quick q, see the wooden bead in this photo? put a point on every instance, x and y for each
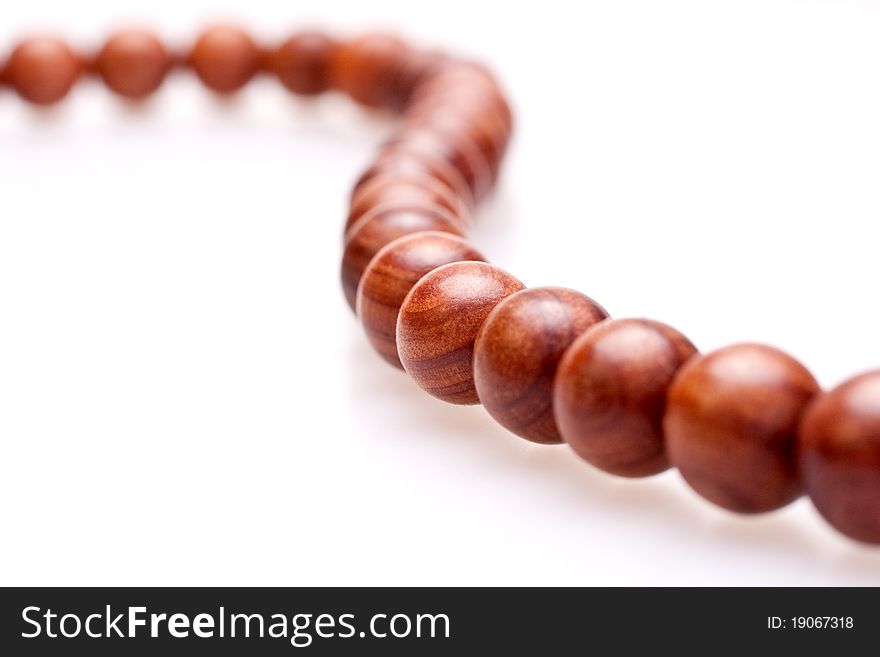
(457, 149)
(366, 68)
(410, 75)
(43, 70)
(464, 84)
(378, 228)
(610, 393)
(403, 164)
(839, 454)
(398, 190)
(486, 132)
(439, 321)
(731, 420)
(133, 63)
(392, 273)
(518, 350)
(464, 99)
(225, 58)
(302, 63)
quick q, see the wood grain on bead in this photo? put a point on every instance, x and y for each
(43, 70)
(839, 456)
(225, 58)
(731, 421)
(610, 394)
(518, 350)
(366, 68)
(302, 62)
(400, 190)
(390, 276)
(439, 321)
(133, 63)
(378, 228)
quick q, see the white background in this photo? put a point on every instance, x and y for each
(186, 399)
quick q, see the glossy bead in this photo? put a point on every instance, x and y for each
(839, 454)
(366, 68)
(610, 394)
(378, 228)
(392, 273)
(439, 321)
(731, 421)
(133, 63)
(518, 350)
(302, 62)
(42, 70)
(399, 190)
(225, 58)
(403, 164)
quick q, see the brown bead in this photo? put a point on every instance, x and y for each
(225, 58)
(367, 68)
(610, 393)
(730, 423)
(464, 85)
(133, 63)
(483, 130)
(378, 228)
(398, 190)
(464, 99)
(839, 454)
(457, 149)
(302, 63)
(392, 273)
(410, 75)
(403, 164)
(43, 70)
(518, 350)
(439, 321)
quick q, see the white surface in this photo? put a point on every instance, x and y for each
(186, 399)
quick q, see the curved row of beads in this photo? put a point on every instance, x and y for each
(747, 425)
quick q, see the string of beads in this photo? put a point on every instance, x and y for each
(747, 426)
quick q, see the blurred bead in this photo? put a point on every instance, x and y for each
(517, 351)
(397, 190)
(839, 449)
(439, 321)
(483, 130)
(42, 70)
(378, 228)
(366, 68)
(302, 63)
(458, 149)
(409, 75)
(464, 98)
(392, 162)
(392, 273)
(610, 393)
(730, 423)
(225, 58)
(464, 84)
(133, 63)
